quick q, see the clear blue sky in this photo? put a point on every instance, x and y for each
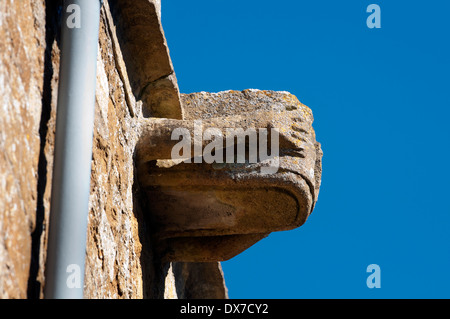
(381, 103)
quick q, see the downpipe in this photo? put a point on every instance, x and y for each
(73, 150)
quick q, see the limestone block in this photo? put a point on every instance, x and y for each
(146, 55)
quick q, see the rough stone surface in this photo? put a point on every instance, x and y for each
(22, 45)
(145, 51)
(113, 268)
(196, 280)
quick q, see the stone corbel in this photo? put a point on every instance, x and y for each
(204, 212)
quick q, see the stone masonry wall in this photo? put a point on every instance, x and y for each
(22, 30)
(119, 257)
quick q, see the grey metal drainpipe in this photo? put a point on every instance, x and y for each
(73, 150)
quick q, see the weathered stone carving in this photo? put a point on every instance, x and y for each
(211, 212)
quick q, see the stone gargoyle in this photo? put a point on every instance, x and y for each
(203, 211)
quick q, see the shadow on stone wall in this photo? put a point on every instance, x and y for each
(52, 33)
